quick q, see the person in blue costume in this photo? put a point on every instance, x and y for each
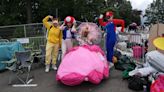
(110, 26)
(110, 40)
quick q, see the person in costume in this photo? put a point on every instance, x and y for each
(110, 26)
(86, 62)
(68, 28)
(88, 35)
(54, 38)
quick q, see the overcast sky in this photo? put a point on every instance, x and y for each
(140, 4)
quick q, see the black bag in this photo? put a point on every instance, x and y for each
(123, 63)
(119, 65)
(117, 54)
(136, 83)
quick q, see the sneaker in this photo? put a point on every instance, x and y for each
(111, 65)
(47, 68)
(54, 67)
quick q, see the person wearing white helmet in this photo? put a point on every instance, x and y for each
(68, 28)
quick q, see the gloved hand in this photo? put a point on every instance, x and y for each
(73, 29)
(101, 16)
(74, 22)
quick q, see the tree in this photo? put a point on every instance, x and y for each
(87, 10)
(32, 11)
(11, 12)
(29, 11)
(155, 12)
(123, 10)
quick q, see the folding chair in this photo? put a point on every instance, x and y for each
(4, 40)
(43, 51)
(28, 49)
(42, 54)
(23, 64)
(59, 58)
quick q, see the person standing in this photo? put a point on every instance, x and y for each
(68, 30)
(54, 40)
(110, 26)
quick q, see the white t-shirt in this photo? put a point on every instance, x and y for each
(69, 35)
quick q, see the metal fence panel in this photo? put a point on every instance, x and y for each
(35, 32)
(132, 40)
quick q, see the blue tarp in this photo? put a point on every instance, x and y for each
(7, 50)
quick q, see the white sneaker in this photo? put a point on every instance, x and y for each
(54, 67)
(47, 68)
(111, 65)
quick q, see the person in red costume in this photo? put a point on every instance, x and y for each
(109, 16)
(110, 27)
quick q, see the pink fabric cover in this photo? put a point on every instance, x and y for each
(83, 63)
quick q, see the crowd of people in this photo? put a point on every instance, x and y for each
(62, 36)
(83, 62)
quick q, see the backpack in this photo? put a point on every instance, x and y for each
(124, 63)
(136, 83)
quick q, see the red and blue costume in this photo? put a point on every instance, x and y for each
(110, 26)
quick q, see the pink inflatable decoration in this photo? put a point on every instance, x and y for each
(85, 62)
(158, 85)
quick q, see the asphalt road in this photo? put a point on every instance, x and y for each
(47, 83)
